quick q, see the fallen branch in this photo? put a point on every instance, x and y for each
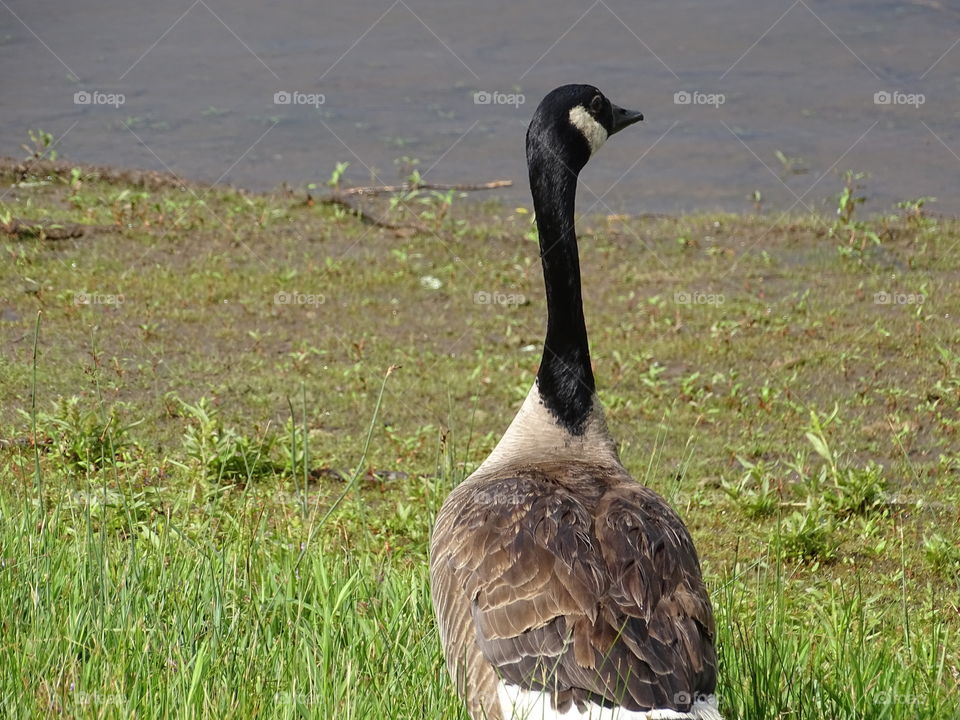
(339, 198)
(410, 187)
(23, 170)
(363, 215)
(51, 230)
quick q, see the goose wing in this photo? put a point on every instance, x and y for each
(588, 589)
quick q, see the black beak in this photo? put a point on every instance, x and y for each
(623, 117)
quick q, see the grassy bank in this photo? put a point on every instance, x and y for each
(215, 497)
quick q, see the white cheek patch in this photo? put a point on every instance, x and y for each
(593, 131)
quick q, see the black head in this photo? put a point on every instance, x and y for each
(572, 122)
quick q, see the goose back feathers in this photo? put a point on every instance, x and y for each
(574, 580)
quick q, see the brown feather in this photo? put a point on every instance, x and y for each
(584, 583)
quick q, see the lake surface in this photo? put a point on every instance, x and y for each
(776, 97)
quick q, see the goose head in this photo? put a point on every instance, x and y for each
(572, 122)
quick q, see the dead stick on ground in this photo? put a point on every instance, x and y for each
(364, 216)
(340, 198)
(409, 187)
(52, 230)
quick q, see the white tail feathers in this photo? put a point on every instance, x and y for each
(519, 704)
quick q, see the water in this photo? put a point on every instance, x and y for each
(398, 80)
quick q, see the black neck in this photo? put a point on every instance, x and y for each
(565, 378)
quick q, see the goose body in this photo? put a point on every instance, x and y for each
(562, 587)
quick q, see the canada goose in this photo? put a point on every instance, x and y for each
(562, 587)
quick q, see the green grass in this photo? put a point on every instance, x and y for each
(215, 503)
(158, 622)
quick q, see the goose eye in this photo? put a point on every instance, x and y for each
(596, 105)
